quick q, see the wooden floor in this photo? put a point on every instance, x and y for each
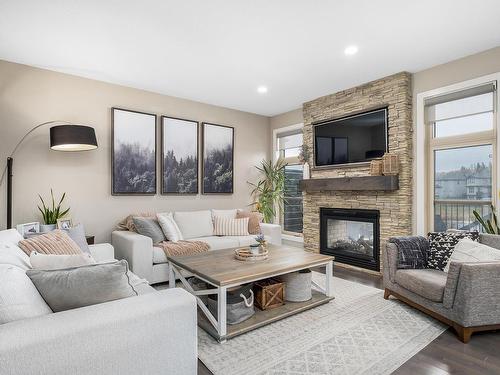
(445, 355)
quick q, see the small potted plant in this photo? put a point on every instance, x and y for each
(261, 241)
(489, 226)
(52, 213)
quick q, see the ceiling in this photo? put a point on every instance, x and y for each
(220, 52)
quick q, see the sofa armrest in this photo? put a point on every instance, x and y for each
(136, 249)
(102, 252)
(272, 231)
(149, 334)
(477, 297)
(390, 261)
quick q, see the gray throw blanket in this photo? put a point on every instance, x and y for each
(412, 251)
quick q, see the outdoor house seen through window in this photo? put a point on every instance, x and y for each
(288, 146)
(461, 159)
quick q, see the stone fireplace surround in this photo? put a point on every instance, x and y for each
(393, 92)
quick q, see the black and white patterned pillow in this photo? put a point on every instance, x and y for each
(442, 245)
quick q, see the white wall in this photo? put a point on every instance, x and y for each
(29, 96)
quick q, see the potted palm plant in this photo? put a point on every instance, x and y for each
(489, 226)
(51, 213)
(270, 189)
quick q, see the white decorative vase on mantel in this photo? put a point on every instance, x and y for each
(306, 173)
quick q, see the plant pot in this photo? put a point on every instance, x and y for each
(306, 173)
(44, 228)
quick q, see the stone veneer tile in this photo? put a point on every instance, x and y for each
(393, 92)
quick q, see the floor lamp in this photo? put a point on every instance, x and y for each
(64, 136)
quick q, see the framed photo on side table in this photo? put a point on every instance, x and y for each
(28, 228)
(64, 223)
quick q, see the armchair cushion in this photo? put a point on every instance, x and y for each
(412, 251)
(427, 283)
(442, 245)
(467, 250)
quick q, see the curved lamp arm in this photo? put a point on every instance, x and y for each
(25, 136)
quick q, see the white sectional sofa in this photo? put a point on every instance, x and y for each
(149, 262)
(153, 333)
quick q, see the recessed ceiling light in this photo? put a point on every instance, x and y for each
(351, 50)
(262, 89)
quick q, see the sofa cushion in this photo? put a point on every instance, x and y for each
(224, 226)
(442, 244)
(194, 224)
(427, 283)
(55, 242)
(13, 255)
(149, 227)
(230, 214)
(77, 234)
(19, 298)
(219, 243)
(254, 220)
(159, 255)
(467, 250)
(169, 226)
(53, 262)
(72, 288)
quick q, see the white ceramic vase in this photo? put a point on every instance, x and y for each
(306, 173)
(44, 228)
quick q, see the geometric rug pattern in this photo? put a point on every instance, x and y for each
(357, 333)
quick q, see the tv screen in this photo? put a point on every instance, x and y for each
(351, 139)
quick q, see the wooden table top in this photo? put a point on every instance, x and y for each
(220, 267)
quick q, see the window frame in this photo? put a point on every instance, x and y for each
(294, 160)
(432, 144)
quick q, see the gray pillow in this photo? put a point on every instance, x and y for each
(149, 227)
(77, 234)
(72, 288)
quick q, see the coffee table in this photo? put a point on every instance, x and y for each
(221, 271)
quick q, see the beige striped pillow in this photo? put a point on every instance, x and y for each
(225, 226)
(56, 242)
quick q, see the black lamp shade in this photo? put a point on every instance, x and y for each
(72, 138)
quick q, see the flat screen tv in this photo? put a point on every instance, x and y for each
(352, 139)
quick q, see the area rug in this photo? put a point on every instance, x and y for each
(357, 333)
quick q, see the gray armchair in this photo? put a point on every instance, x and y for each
(466, 298)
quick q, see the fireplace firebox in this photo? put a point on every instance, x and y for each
(351, 235)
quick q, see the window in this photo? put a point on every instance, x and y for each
(461, 141)
(288, 146)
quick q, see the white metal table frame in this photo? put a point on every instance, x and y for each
(220, 323)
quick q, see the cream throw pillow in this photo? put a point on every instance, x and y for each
(467, 250)
(169, 226)
(230, 227)
(54, 262)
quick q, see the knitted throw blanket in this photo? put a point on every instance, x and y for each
(183, 247)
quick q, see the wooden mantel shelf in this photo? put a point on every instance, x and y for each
(373, 183)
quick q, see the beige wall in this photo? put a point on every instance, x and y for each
(29, 96)
(456, 71)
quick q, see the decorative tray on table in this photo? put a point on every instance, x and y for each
(249, 254)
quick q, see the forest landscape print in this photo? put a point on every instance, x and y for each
(179, 156)
(218, 144)
(134, 152)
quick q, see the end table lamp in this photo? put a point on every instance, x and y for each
(64, 136)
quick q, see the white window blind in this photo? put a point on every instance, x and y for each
(468, 102)
(289, 140)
